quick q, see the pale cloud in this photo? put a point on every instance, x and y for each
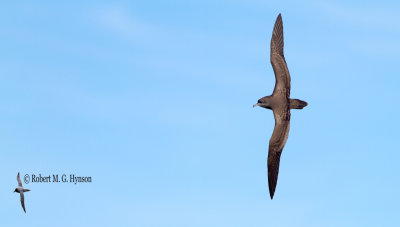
(117, 19)
(377, 46)
(122, 22)
(167, 46)
(374, 28)
(366, 16)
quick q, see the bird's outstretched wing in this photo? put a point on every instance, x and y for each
(282, 76)
(276, 144)
(22, 201)
(19, 181)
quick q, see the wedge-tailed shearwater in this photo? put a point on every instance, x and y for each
(21, 191)
(280, 103)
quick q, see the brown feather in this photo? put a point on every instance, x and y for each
(278, 62)
(276, 144)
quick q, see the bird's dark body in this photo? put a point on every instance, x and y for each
(280, 103)
(21, 191)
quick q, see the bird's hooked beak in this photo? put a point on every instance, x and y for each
(257, 104)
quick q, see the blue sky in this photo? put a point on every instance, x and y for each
(153, 100)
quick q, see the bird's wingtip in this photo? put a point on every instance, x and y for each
(271, 194)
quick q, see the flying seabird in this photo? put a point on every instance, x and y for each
(280, 103)
(21, 191)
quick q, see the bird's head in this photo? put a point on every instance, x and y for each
(15, 190)
(264, 102)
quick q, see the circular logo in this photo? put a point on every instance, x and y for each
(26, 179)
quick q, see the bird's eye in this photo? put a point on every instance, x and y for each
(259, 101)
